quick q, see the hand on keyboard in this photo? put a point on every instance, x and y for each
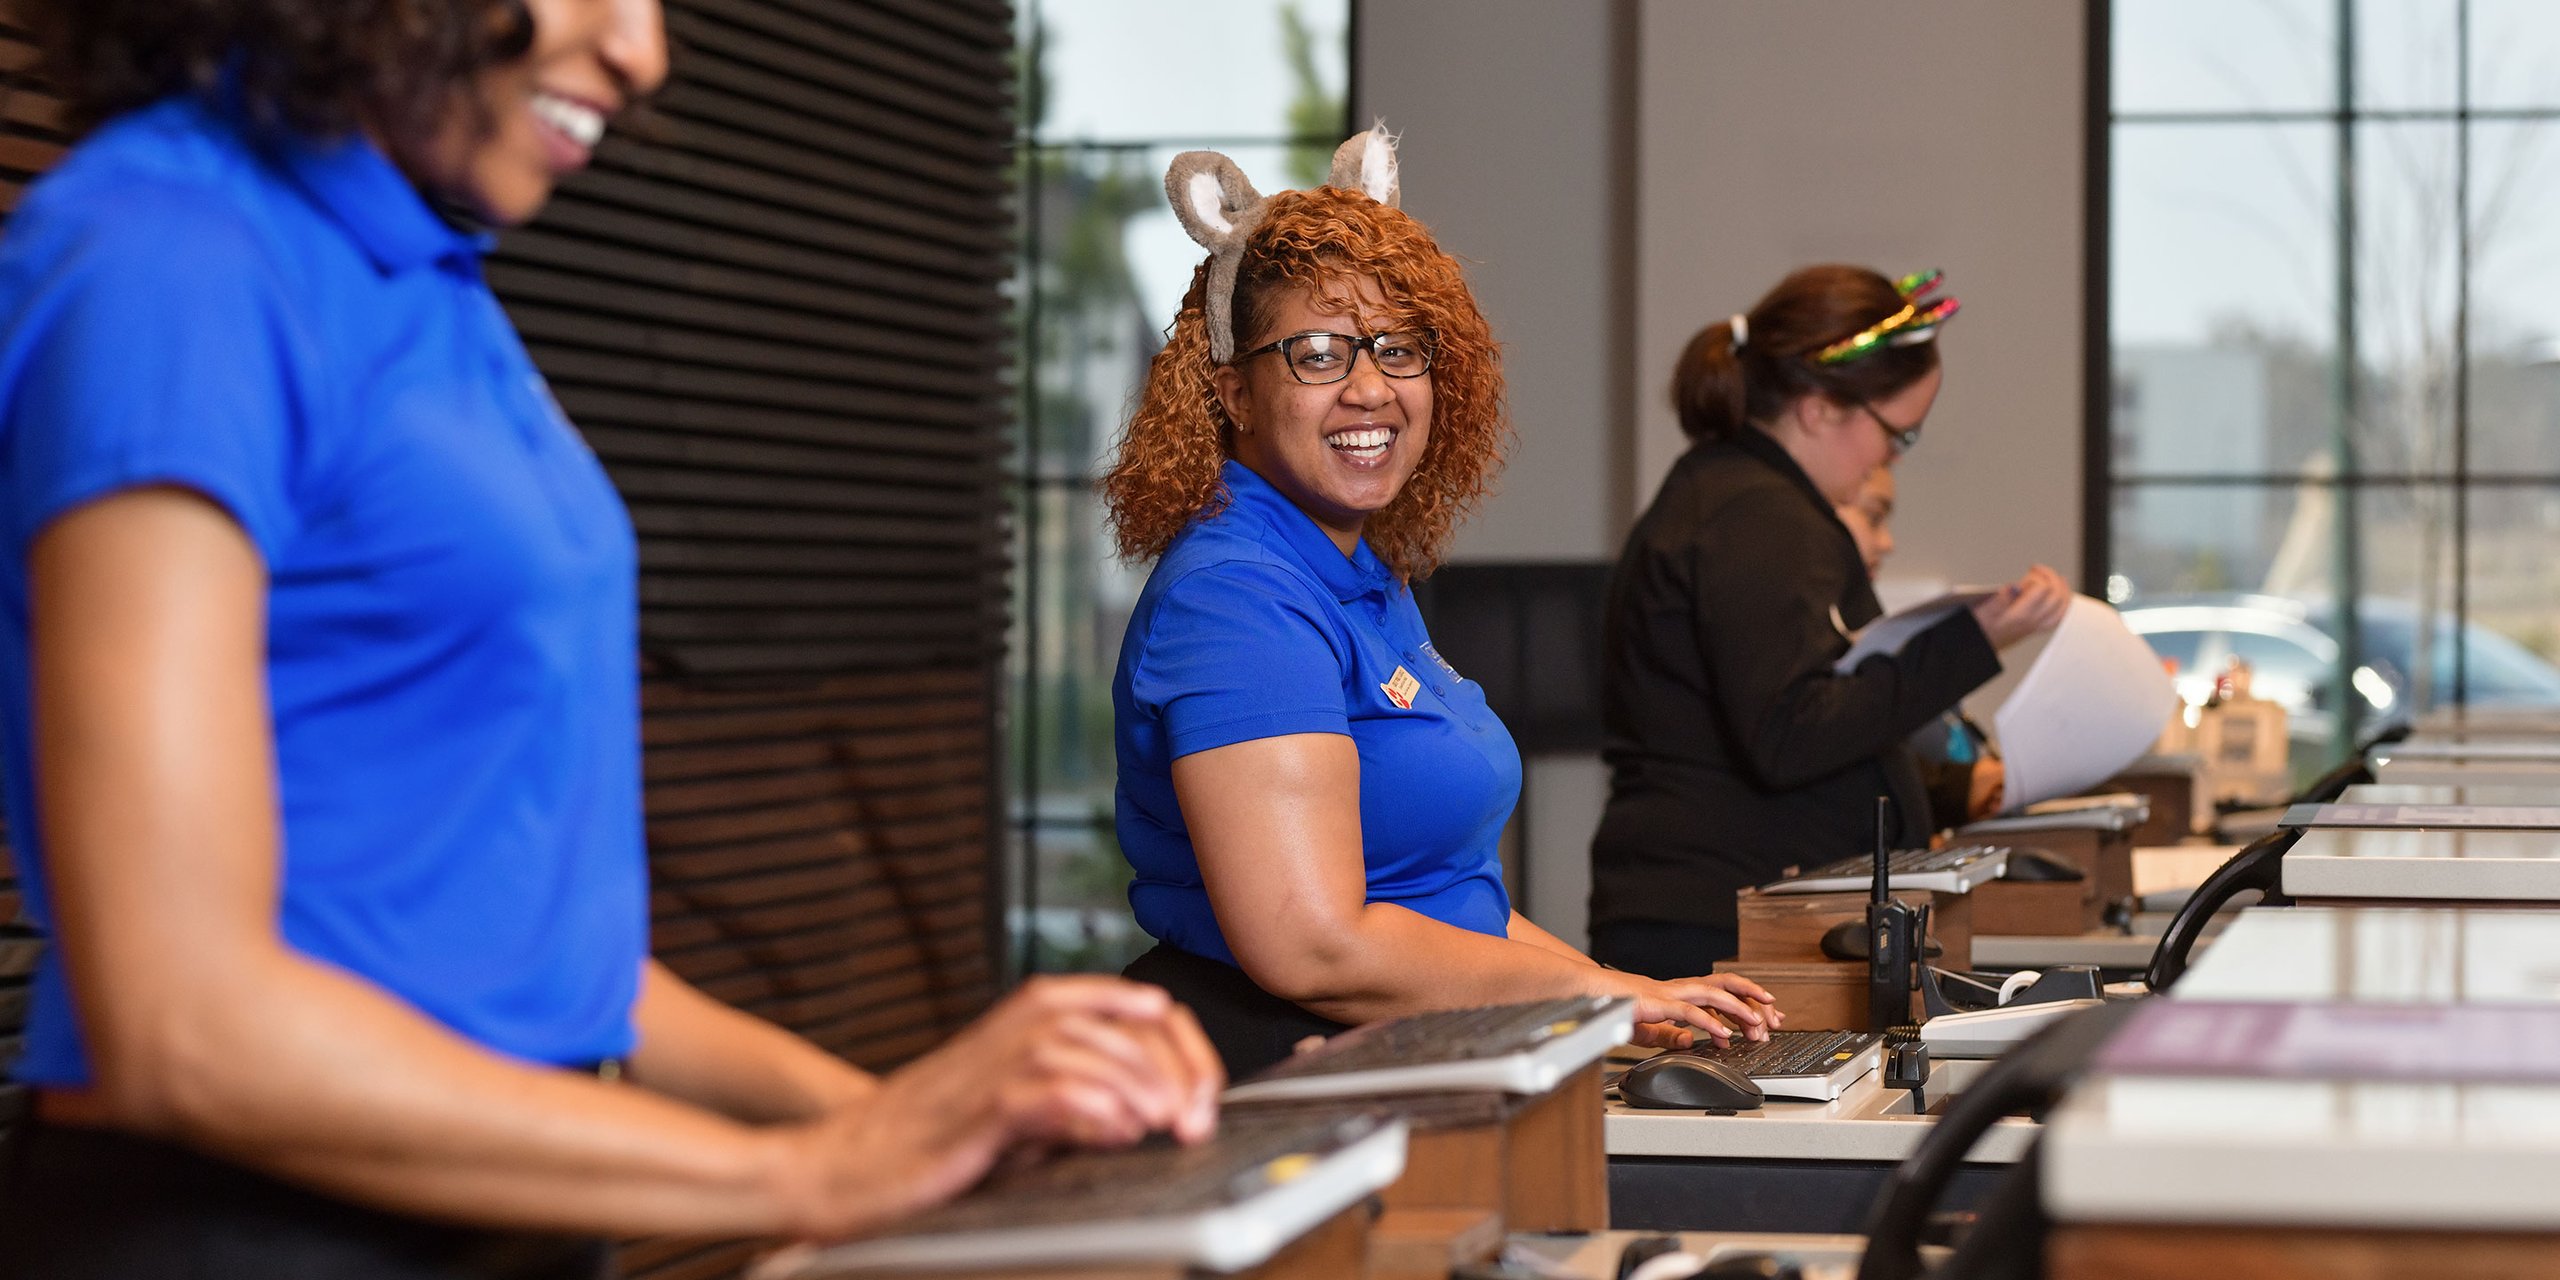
(1082, 1061)
(1671, 1015)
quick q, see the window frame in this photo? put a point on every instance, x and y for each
(2103, 487)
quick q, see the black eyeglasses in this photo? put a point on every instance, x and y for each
(1318, 359)
(1902, 437)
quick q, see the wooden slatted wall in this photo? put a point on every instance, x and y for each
(779, 320)
(31, 138)
(778, 316)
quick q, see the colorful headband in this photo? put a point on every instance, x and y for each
(1916, 323)
(1219, 209)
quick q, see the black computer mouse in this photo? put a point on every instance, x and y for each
(1751, 1266)
(2035, 866)
(1644, 1249)
(1687, 1082)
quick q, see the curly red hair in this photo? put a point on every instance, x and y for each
(1166, 474)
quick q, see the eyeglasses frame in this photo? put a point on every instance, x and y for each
(1904, 439)
(1430, 353)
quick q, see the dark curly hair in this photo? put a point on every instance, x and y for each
(1167, 471)
(321, 67)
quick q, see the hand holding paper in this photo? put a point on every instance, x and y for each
(2093, 702)
(2023, 608)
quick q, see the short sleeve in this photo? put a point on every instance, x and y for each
(1237, 651)
(147, 343)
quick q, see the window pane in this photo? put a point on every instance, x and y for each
(2406, 263)
(1073, 598)
(2405, 54)
(2239, 560)
(2210, 540)
(1152, 70)
(2514, 637)
(2515, 53)
(2515, 275)
(2221, 288)
(1090, 336)
(2407, 574)
(2288, 663)
(2246, 406)
(2215, 55)
(1080, 922)
(2220, 228)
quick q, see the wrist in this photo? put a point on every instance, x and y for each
(789, 1182)
(1618, 982)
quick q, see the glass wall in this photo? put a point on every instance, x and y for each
(1114, 89)
(2335, 350)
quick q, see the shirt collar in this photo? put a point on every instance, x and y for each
(1760, 444)
(351, 181)
(1349, 577)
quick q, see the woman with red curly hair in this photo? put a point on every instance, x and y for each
(1310, 796)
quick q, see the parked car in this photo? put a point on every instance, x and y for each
(2293, 656)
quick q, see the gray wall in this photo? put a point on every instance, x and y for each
(1618, 173)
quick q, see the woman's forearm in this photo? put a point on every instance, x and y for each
(325, 1079)
(1525, 930)
(695, 1048)
(1276, 824)
(1389, 961)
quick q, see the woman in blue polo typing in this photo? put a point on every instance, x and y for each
(319, 714)
(1310, 797)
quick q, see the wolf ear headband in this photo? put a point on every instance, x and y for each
(1221, 211)
(1916, 323)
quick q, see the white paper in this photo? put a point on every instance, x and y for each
(2093, 703)
(1889, 634)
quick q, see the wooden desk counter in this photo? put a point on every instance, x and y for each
(1480, 1163)
(1337, 1250)
(1539, 1163)
(2116, 1251)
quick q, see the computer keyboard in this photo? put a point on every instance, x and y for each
(1486, 1032)
(1522, 1048)
(1802, 1066)
(1221, 1207)
(1159, 1177)
(1791, 1053)
(1956, 868)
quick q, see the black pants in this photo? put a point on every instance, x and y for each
(1661, 949)
(81, 1204)
(1250, 1027)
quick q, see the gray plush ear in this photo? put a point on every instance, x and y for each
(1219, 210)
(1366, 163)
(1211, 198)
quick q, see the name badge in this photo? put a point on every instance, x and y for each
(1400, 689)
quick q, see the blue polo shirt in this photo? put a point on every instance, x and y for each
(1255, 625)
(287, 329)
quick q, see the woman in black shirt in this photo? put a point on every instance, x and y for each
(1735, 750)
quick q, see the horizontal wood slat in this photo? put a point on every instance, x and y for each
(645, 246)
(763, 318)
